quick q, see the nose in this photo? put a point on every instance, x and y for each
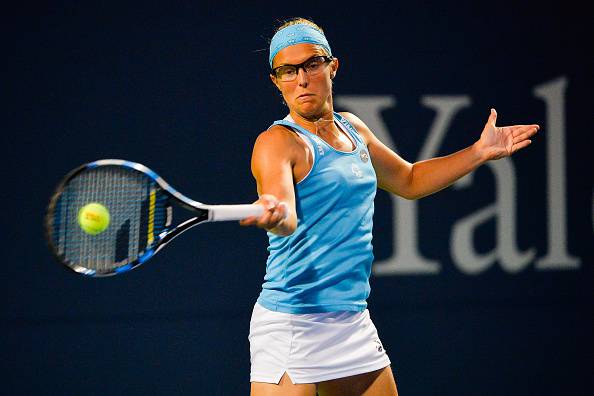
(302, 78)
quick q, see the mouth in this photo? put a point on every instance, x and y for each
(304, 96)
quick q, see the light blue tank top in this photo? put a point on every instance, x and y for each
(325, 264)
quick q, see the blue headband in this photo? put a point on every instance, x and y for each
(297, 34)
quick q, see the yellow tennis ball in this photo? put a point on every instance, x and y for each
(93, 218)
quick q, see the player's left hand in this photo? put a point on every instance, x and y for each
(498, 142)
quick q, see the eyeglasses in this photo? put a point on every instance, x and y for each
(312, 66)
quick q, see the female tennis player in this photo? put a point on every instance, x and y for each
(317, 172)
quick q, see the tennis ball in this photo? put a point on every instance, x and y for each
(93, 218)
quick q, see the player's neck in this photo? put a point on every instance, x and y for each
(319, 123)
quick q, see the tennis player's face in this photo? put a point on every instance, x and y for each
(308, 95)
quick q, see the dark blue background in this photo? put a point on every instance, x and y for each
(183, 88)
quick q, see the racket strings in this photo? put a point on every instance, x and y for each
(138, 214)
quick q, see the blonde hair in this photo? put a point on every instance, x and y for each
(299, 21)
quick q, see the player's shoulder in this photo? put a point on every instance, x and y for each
(349, 116)
(277, 133)
(276, 137)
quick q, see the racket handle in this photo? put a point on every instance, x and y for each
(234, 212)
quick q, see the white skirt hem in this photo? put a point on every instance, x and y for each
(312, 348)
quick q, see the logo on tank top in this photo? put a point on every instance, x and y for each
(364, 156)
(356, 171)
(319, 144)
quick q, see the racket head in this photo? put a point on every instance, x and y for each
(138, 203)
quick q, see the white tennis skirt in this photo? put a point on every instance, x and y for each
(312, 348)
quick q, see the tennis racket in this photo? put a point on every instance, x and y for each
(136, 216)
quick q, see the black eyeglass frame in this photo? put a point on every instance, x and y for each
(327, 59)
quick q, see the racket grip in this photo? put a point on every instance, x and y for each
(234, 212)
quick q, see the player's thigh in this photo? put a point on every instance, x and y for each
(376, 383)
(284, 388)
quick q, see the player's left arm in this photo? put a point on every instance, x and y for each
(422, 178)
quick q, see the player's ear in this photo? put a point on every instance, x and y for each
(274, 81)
(334, 67)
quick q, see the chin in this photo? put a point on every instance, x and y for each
(310, 112)
(311, 116)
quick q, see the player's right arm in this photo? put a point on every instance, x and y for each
(273, 158)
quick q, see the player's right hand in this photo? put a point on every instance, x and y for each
(275, 213)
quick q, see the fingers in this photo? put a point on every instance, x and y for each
(248, 221)
(275, 212)
(523, 132)
(521, 145)
(517, 129)
(524, 128)
(277, 215)
(517, 138)
(521, 136)
(492, 117)
(274, 215)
